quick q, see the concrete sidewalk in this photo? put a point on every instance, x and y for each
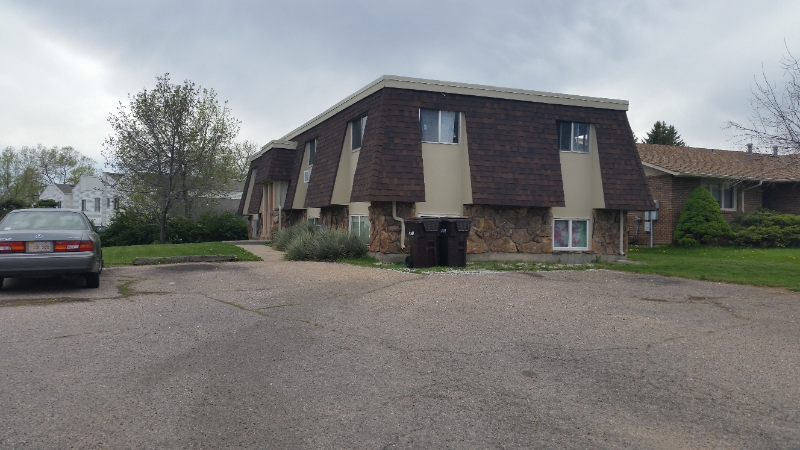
(259, 249)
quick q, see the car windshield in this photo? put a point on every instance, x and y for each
(33, 220)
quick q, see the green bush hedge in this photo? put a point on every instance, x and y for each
(766, 228)
(132, 226)
(305, 241)
(701, 221)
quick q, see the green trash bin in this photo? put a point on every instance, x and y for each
(423, 240)
(453, 235)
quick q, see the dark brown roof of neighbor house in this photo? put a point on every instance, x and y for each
(720, 163)
(65, 188)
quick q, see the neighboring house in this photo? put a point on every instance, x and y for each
(95, 196)
(740, 181)
(61, 193)
(541, 176)
(227, 201)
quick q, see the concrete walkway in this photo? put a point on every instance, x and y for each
(262, 251)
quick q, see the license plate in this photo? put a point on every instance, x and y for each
(40, 247)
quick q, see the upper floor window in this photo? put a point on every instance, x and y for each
(83, 205)
(311, 146)
(573, 137)
(439, 126)
(97, 204)
(359, 125)
(724, 195)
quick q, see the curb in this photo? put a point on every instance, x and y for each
(182, 259)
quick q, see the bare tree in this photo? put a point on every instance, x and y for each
(776, 111)
(171, 145)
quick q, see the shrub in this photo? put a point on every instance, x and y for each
(132, 226)
(305, 241)
(46, 203)
(701, 221)
(766, 228)
(10, 204)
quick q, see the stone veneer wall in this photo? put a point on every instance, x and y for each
(336, 217)
(605, 232)
(384, 231)
(509, 229)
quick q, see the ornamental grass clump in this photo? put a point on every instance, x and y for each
(307, 242)
(701, 221)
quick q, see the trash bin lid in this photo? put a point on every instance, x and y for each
(462, 224)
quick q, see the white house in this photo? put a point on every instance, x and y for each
(95, 196)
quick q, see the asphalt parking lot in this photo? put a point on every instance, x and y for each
(278, 354)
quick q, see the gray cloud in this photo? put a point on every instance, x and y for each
(280, 63)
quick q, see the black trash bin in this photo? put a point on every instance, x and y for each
(453, 236)
(423, 243)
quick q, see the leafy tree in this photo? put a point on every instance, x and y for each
(664, 134)
(776, 112)
(64, 165)
(241, 153)
(701, 221)
(20, 177)
(172, 144)
(46, 203)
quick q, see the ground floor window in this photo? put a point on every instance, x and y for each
(359, 224)
(724, 195)
(571, 234)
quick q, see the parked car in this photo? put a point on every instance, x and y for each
(45, 242)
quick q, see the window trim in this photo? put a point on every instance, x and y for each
(572, 137)
(363, 119)
(569, 230)
(458, 129)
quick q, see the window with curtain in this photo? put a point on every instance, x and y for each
(724, 195)
(570, 234)
(573, 137)
(439, 126)
(359, 125)
(312, 151)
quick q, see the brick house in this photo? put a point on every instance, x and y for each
(542, 176)
(739, 181)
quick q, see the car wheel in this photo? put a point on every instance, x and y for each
(1, 282)
(92, 280)
(102, 264)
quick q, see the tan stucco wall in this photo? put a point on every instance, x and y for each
(250, 191)
(583, 182)
(302, 187)
(448, 186)
(344, 175)
(359, 208)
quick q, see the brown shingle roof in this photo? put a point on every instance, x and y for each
(721, 163)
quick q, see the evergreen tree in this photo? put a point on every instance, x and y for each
(701, 221)
(664, 134)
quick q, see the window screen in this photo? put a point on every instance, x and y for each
(429, 118)
(359, 224)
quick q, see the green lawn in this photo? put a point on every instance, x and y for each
(123, 256)
(778, 267)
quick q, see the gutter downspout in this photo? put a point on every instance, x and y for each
(402, 225)
(747, 189)
(621, 235)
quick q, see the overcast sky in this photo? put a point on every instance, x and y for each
(64, 66)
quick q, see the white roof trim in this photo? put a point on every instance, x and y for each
(713, 175)
(419, 84)
(291, 145)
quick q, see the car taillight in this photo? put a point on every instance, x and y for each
(73, 246)
(12, 247)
